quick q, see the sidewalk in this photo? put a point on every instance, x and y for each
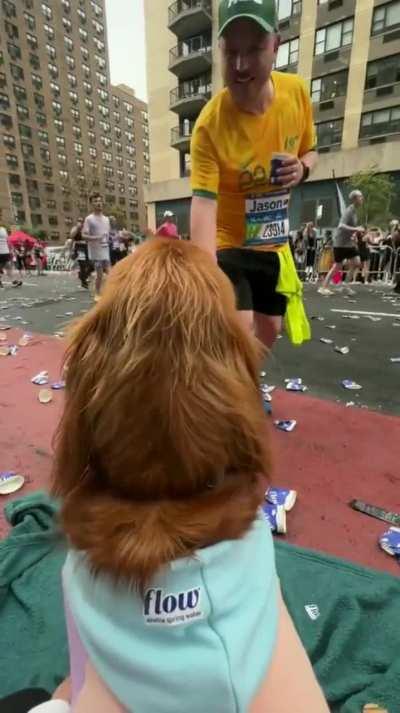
(334, 455)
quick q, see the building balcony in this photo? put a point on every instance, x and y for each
(329, 109)
(189, 17)
(382, 97)
(181, 135)
(189, 59)
(189, 101)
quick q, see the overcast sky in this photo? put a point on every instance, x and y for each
(125, 20)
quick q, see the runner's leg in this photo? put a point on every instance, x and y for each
(268, 327)
(336, 267)
(99, 277)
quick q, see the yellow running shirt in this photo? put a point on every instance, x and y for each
(231, 153)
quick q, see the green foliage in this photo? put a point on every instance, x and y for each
(378, 190)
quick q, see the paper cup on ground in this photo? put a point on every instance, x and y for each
(45, 396)
(10, 483)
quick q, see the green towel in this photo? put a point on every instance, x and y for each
(33, 649)
(351, 633)
(354, 643)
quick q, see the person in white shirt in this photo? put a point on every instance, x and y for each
(6, 263)
(96, 231)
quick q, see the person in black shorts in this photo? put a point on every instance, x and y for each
(345, 247)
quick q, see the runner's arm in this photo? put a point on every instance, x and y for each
(205, 184)
(203, 223)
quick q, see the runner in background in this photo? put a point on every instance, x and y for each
(80, 254)
(345, 247)
(241, 190)
(96, 231)
(168, 228)
(310, 239)
(6, 263)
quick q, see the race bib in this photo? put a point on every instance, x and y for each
(267, 219)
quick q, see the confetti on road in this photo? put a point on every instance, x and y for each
(351, 385)
(287, 425)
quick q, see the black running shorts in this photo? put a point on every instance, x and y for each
(342, 254)
(254, 275)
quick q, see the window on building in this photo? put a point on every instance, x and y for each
(36, 219)
(83, 34)
(97, 10)
(25, 131)
(101, 78)
(381, 72)
(12, 30)
(85, 70)
(5, 121)
(46, 10)
(100, 61)
(120, 175)
(98, 27)
(14, 51)
(62, 158)
(129, 136)
(102, 94)
(63, 175)
(32, 41)
(329, 133)
(90, 120)
(129, 122)
(92, 152)
(43, 136)
(30, 20)
(14, 179)
(78, 148)
(69, 45)
(55, 89)
(130, 150)
(70, 62)
(89, 104)
(72, 79)
(382, 122)
(105, 126)
(57, 108)
(17, 73)
(32, 185)
(100, 46)
(41, 118)
(73, 96)
(23, 112)
(131, 164)
(329, 87)
(53, 70)
(34, 61)
(118, 146)
(386, 17)
(82, 15)
(66, 6)
(119, 160)
(27, 149)
(9, 8)
(17, 199)
(60, 141)
(106, 141)
(12, 161)
(34, 202)
(80, 164)
(47, 171)
(49, 188)
(30, 168)
(87, 87)
(49, 30)
(288, 8)
(9, 141)
(51, 51)
(288, 53)
(76, 130)
(51, 205)
(103, 110)
(37, 81)
(67, 24)
(92, 137)
(331, 38)
(76, 115)
(44, 154)
(4, 101)
(107, 156)
(118, 132)
(117, 116)
(59, 125)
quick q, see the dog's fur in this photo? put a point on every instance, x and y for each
(163, 430)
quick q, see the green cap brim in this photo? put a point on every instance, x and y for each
(260, 22)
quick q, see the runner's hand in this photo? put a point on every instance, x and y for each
(290, 173)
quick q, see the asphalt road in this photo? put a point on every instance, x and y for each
(46, 304)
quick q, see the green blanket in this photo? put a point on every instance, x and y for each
(351, 627)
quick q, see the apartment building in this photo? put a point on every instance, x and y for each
(64, 130)
(348, 51)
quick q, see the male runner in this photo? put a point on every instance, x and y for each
(240, 206)
(96, 230)
(345, 246)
